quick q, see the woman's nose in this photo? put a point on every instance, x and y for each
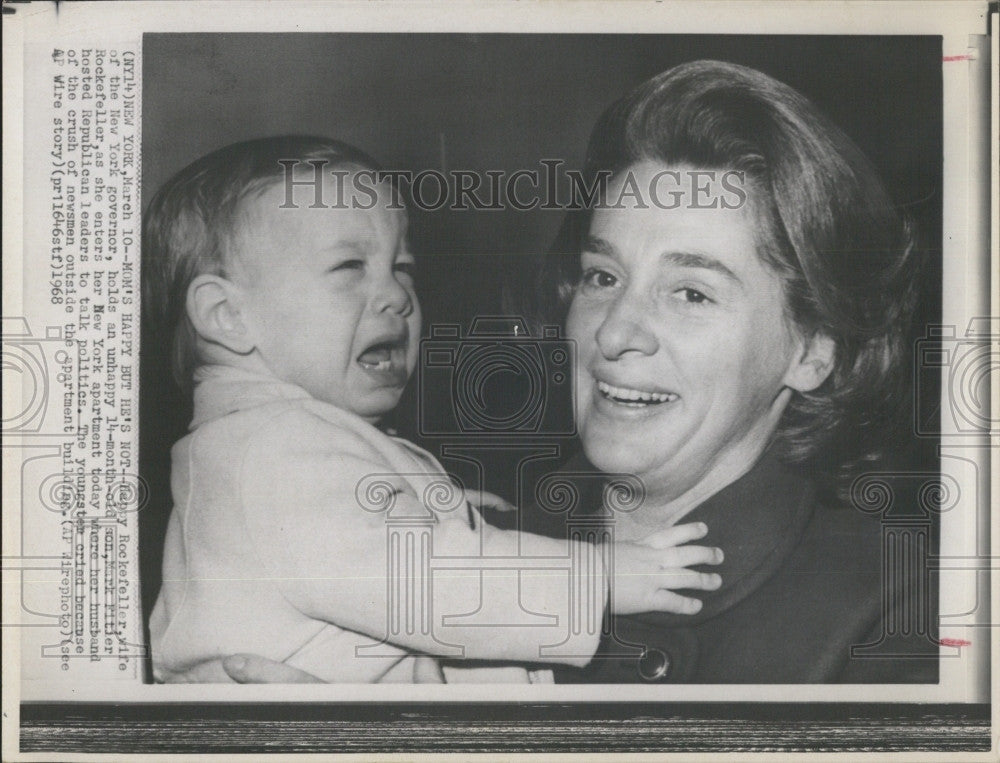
(391, 295)
(625, 329)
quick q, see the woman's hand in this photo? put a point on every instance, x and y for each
(647, 572)
(254, 669)
(243, 669)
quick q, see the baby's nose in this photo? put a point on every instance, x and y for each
(391, 295)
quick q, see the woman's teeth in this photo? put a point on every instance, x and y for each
(625, 395)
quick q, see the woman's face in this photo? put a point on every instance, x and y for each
(684, 354)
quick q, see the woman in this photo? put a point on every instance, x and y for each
(740, 295)
(727, 354)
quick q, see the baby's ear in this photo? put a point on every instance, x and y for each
(812, 363)
(215, 308)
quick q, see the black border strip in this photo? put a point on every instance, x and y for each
(503, 727)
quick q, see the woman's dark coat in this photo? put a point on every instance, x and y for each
(809, 595)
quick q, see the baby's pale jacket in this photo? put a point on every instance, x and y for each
(277, 546)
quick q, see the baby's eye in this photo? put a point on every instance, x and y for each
(406, 267)
(691, 296)
(597, 278)
(347, 265)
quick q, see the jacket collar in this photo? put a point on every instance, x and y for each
(221, 390)
(757, 521)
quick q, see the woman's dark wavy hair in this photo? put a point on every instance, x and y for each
(827, 227)
(190, 224)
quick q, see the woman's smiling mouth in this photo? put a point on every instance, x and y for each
(633, 397)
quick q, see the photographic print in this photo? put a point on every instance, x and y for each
(542, 382)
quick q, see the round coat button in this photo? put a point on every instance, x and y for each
(654, 664)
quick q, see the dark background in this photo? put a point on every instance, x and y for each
(495, 102)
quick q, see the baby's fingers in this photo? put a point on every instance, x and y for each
(676, 535)
(668, 601)
(489, 500)
(688, 556)
(703, 581)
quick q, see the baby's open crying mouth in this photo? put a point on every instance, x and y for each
(379, 356)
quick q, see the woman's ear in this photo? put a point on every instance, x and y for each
(215, 308)
(812, 364)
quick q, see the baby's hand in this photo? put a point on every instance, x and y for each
(646, 572)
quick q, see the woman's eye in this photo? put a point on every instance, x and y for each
(596, 278)
(692, 296)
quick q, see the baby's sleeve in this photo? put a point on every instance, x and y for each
(422, 579)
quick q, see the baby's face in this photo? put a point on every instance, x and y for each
(328, 294)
